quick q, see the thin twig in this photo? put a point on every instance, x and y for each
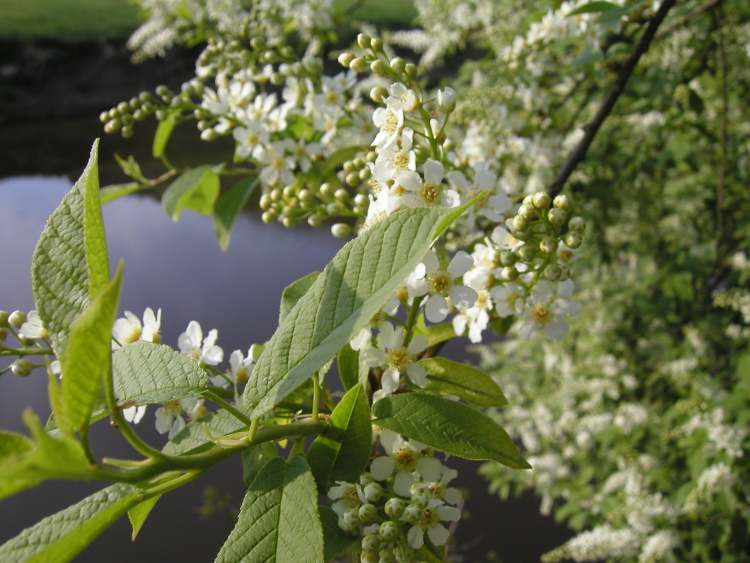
(592, 128)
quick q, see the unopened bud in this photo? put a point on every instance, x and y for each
(368, 513)
(379, 67)
(561, 202)
(16, 319)
(398, 64)
(21, 367)
(577, 224)
(358, 65)
(557, 216)
(541, 200)
(388, 531)
(363, 40)
(341, 230)
(446, 99)
(573, 240)
(378, 94)
(346, 58)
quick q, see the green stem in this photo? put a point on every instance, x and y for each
(316, 396)
(25, 351)
(239, 415)
(411, 320)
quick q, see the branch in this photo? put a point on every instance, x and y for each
(592, 128)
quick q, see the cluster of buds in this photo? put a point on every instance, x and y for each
(32, 337)
(376, 61)
(402, 504)
(122, 117)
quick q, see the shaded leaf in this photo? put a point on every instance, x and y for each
(228, 206)
(163, 133)
(196, 189)
(294, 292)
(448, 426)
(447, 377)
(337, 541)
(347, 364)
(138, 514)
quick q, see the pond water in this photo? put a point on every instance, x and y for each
(180, 268)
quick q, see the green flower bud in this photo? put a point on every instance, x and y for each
(16, 319)
(21, 367)
(394, 508)
(573, 240)
(123, 107)
(378, 94)
(265, 201)
(104, 116)
(326, 190)
(379, 67)
(561, 202)
(352, 178)
(112, 126)
(368, 513)
(113, 113)
(4, 316)
(541, 200)
(351, 519)
(370, 542)
(364, 174)
(373, 491)
(346, 58)
(519, 223)
(548, 245)
(421, 500)
(398, 64)
(127, 131)
(288, 222)
(509, 273)
(552, 272)
(363, 40)
(360, 200)
(577, 224)
(315, 220)
(388, 531)
(358, 65)
(341, 195)
(508, 258)
(369, 557)
(410, 70)
(557, 216)
(268, 216)
(371, 156)
(412, 514)
(526, 253)
(526, 211)
(341, 230)
(376, 44)
(387, 555)
(403, 554)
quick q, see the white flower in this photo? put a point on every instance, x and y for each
(431, 192)
(404, 458)
(277, 165)
(446, 99)
(240, 366)
(129, 329)
(206, 352)
(436, 484)
(250, 139)
(346, 497)
(389, 120)
(508, 299)
(396, 358)
(546, 309)
(395, 157)
(170, 417)
(504, 240)
(430, 521)
(401, 98)
(442, 286)
(32, 328)
(474, 319)
(134, 413)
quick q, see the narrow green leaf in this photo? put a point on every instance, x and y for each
(347, 364)
(64, 535)
(13, 444)
(116, 191)
(145, 373)
(228, 207)
(254, 458)
(448, 426)
(163, 133)
(294, 292)
(69, 264)
(436, 334)
(49, 457)
(278, 520)
(138, 514)
(353, 287)
(344, 458)
(196, 189)
(336, 540)
(87, 357)
(447, 377)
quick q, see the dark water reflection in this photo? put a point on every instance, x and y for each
(180, 268)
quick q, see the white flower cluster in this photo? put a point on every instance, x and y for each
(404, 500)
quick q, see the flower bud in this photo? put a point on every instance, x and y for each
(368, 513)
(527, 211)
(394, 507)
(412, 513)
(349, 522)
(358, 65)
(376, 44)
(509, 273)
(577, 224)
(527, 253)
(315, 220)
(363, 40)
(519, 223)
(398, 64)
(373, 492)
(561, 202)
(16, 319)
(552, 272)
(352, 178)
(346, 58)
(541, 200)
(341, 230)
(508, 258)
(446, 99)
(388, 531)
(548, 245)
(369, 556)
(573, 240)
(4, 316)
(370, 542)
(421, 500)
(378, 94)
(411, 70)
(21, 367)
(387, 555)
(379, 67)
(326, 189)
(268, 216)
(557, 217)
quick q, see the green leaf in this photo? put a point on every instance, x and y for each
(146, 373)
(196, 189)
(347, 364)
(70, 264)
(131, 168)
(138, 514)
(336, 540)
(448, 426)
(344, 458)
(436, 334)
(163, 133)
(294, 292)
(64, 535)
(594, 8)
(228, 206)
(278, 520)
(116, 191)
(447, 377)
(196, 435)
(337, 158)
(353, 287)
(13, 444)
(48, 457)
(254, 458)
(86, 361)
